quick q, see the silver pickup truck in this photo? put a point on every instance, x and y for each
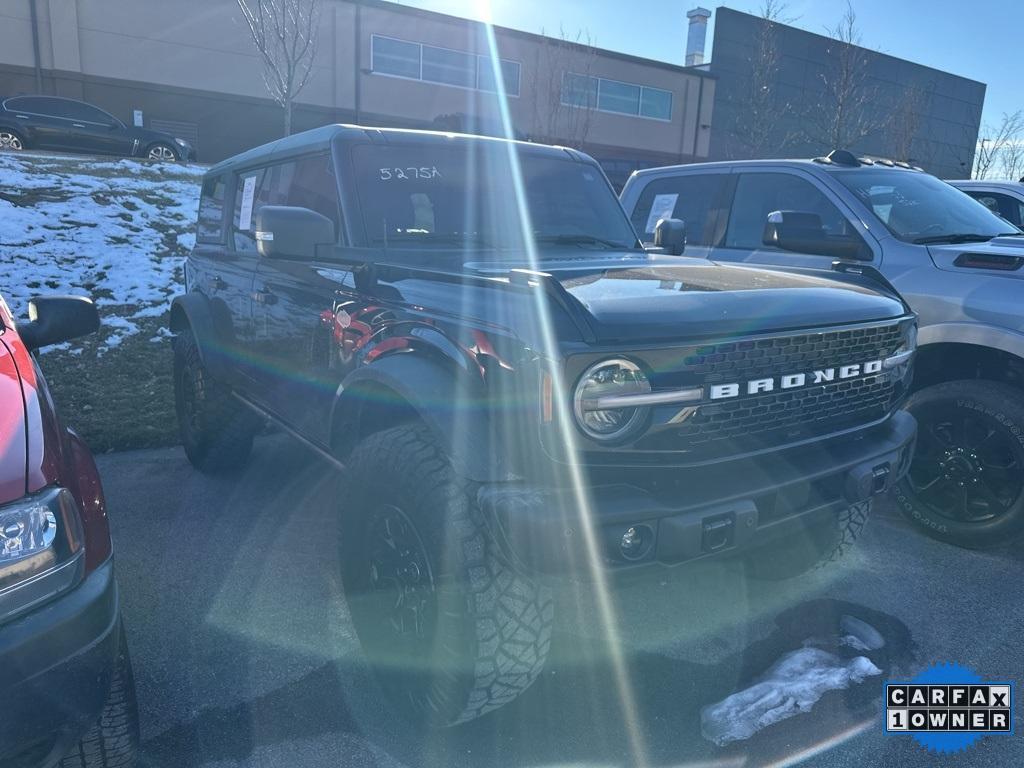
(958, 265)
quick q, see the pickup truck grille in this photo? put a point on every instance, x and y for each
(755, 422)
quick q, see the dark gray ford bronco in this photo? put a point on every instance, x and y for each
(516, 389)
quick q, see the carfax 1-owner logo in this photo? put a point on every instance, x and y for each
(947, 708)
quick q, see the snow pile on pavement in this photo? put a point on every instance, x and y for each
(116, 230)
(790, 686)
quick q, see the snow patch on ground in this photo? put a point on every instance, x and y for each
(115, 230)
(791, 686)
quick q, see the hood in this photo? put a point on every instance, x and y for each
(13, 440)
(693, 298)
(1003, 256)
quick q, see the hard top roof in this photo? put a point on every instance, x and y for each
(321, 139)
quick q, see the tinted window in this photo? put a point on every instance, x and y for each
(579, 90)
(76, 110)
(40, 105)
(306, 183)
(758, 194)
(415, 196)
(313, 186)
(210, 226)
(692, 198)
(1008, 207)
(917, 206)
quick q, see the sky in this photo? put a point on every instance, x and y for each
(978, 39)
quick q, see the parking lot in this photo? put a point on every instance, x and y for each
(244, 654)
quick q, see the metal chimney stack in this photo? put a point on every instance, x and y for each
(696, 36)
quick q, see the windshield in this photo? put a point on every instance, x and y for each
(411, 197)
(917, 207)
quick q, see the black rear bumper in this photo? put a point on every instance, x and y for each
(56, 665)
(706, 511)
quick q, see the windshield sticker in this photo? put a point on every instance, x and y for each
(405, 174)
(248, 193)
(662, 208)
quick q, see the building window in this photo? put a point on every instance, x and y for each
(656, 103)
(396, 57)
(579, 91)
(449, 67)
(485, 75)
(444, 66)
(617, 97)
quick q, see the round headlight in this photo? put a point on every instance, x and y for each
(597, 414)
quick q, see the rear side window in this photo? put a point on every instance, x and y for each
(307, 182)
(692, 197)
(758, 194)
(210, 226)
(38, 105)
(1008, 207)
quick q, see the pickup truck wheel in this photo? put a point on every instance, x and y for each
(216, 430)
(450, 631)
(816, 547)
(114, 740)
(966, 481)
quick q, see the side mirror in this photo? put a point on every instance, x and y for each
(287, 232)
(56, 319)
(670, 235)
(804, 233)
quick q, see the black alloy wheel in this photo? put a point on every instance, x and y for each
(966, 480)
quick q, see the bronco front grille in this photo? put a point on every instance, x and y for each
(756, 422)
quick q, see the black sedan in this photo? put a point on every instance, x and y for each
(66, 125)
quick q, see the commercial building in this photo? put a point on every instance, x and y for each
(190, 67)
(784, 91)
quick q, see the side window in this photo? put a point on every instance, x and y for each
(313, 186)
(39, 105)
(691, 197)
(307, 183)
(1001, 205)
(758, 194)
(210, 226)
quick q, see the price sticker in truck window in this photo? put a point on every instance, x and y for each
(662, 208)
(248, 194)
(407, 174)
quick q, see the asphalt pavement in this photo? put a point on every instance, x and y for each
(244, 654)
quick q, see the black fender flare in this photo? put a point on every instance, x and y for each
(210, 324)
(452, 403)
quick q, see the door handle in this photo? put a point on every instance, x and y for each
(264, 297)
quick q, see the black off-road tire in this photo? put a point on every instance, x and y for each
(490, 631)
(216, 429)
(814, 547)
(991, 406)
(113, 741)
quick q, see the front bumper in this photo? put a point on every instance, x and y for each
(56, 665)
(713, 510)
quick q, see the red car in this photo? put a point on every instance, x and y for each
(66, 689)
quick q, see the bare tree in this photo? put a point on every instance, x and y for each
(905, 124)
(848, 109)
(563, 72)
(285, 32)
(757, 130)
(994, 143)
